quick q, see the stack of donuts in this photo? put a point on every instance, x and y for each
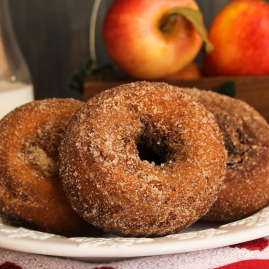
(142, 159)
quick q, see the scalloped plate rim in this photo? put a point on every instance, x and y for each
(191, 239)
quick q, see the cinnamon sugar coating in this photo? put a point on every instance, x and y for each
(109, 185)
(30, 188)
(246, 136)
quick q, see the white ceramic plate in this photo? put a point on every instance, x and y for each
(199, 236)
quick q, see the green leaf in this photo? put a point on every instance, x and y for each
(228, 88)
(88, 67)
(196, 18)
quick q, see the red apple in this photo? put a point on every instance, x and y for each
(240, 35)
(141, 45)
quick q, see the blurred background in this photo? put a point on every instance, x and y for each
(54, 39)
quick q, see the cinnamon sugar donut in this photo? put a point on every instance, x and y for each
(110, 186)
(246, 136)
(30, 189)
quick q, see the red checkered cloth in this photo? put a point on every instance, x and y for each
(253, 254)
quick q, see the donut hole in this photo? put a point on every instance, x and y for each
(152, 144)
(235, 138)
(41, 151)
(147, 154)
(155, 146)
(237, 145)
(40, 160)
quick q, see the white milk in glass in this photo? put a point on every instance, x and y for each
(14, 94)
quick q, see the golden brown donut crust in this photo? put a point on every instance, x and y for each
(30, 189)
(111, 187)
(246, 136)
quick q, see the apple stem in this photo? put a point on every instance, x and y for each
(168, 22)
(194, 16)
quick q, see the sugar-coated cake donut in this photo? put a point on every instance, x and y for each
(246, 136)
(30, 188)
(110, 186)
